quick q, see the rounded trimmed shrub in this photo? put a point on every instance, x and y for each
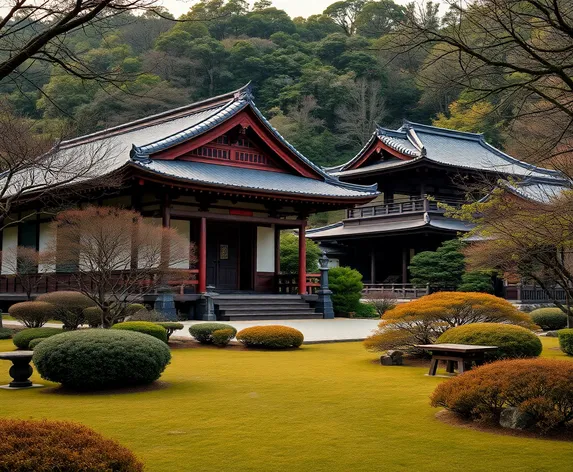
(540, 387)
(69, 307)
(101, 358)
(203, 332)
(6, 333)
(512, 341)
(93, 316)
(566, 340)
(549, 319)
(134, 308)
(222, 337)
(271, 337)
(22, 339)
(366, 310)
(33, 314)
(34, 342)
(346, 285)
(145, 327)
(47, 446)
(170, 326)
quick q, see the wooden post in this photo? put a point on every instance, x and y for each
(405, 265)
(203, 256)
(277, 256)
(302, 259)
(372, 266)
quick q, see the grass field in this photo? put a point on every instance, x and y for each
(324, 407)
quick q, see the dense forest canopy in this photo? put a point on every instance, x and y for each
(324, 81)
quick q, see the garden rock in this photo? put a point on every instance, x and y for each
(551, 334)
(392, 358)
(512, 418)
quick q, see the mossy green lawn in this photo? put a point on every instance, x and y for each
(323, 407)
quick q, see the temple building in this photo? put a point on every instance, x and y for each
(416, 168)
(218, 172)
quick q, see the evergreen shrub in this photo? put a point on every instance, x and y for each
(566, 340)
(271, 337)
(346, 285)
(170, 327)
(511, 341)
(22, 339)
(222, 337)
(6, 333)
(145, 327)
(101, 358)
(34, 342)
(203, 332)
(49, 446)
(93, 316)
(366, 310)
(540, 387)
(69, 307)
(549, 319)
(32, 314)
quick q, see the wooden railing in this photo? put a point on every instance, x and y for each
(409, 206)
(288, 283)
(534, 294)
(401, 291)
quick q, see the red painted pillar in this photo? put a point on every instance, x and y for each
(302, 259)
(203, 256)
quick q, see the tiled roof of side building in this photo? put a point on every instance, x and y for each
(450, 148)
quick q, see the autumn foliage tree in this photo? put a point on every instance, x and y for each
(113, 254)
(422, 321)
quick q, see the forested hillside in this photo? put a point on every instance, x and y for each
(324, 81)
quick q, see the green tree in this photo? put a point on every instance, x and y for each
(379, 18)
(289, 254)
(345, 14)
(346, 285)
(441, 269)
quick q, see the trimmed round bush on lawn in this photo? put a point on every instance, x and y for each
(222, 337)
(540, 387)
(203, 332)
(271, 337)
(32, 314)
(69, 307)
(512, 341)
(366, 310)
(145, 327)
(93, 316)
(549, 319)
(34, 342)
(22, 339)
(346, 285)
(6, 333)
(47, 446)
(101, 358)
(170, 327)
(566, 340)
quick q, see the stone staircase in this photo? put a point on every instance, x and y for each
(238, 307)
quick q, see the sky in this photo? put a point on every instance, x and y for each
(294, 8)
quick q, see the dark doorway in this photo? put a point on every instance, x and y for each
(247, 243)
(223, 256)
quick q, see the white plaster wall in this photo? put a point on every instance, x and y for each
(46, 235)
(9, 248)
(265, 249)
(183, 227)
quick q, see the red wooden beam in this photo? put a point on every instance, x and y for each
(203, 256)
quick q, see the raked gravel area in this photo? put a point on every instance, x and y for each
(338, 329)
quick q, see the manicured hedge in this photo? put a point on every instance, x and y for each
(566, 340)
(6, 333)
(145, 327)
(93, 316)
(203, 332)
(49, 446)
(34, 342)
(32, 314)
(540, 387)
(22, 339)
(170, 327)
(271, 337)
(549, 319)
(222, 337)
(346, 285)
(69, 307)
(512, 341)
(366, 310)
(101, 358)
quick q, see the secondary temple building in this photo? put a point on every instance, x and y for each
(416, 168)
(220, 174)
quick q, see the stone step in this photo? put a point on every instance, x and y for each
(239, 296)
(226, 311)
(264, 307)
(278, 303)
(273, 316)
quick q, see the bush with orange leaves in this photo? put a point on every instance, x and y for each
(540, 387)
(45, 446)
(423, 320)
(270, 337)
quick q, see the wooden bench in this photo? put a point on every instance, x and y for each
(464, 355)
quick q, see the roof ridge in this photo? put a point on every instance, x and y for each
(167, 115)
(440, 130)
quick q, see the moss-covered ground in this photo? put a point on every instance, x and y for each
(324, 407)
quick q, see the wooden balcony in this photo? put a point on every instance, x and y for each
(420, 205)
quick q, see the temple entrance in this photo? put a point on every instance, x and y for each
(223, 256)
